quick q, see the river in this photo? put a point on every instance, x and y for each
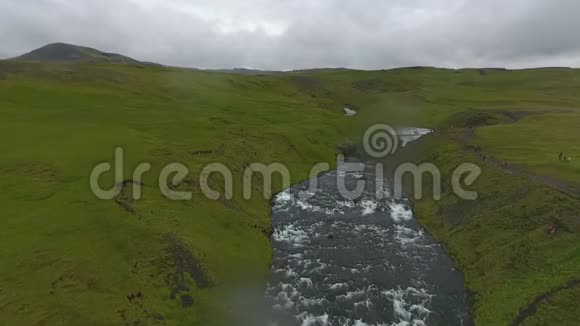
(358, 262)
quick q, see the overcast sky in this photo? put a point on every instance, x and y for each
(292, 34)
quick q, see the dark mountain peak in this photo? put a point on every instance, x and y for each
(64, 52)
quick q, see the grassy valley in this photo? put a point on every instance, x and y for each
(71, 259)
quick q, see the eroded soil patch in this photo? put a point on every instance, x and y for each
(180, 266)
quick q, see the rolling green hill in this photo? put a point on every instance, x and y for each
(71, 259)
(63, 52)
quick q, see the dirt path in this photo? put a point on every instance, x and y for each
(567, 187)
(465, 136)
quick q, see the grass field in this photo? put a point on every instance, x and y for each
(71, 259)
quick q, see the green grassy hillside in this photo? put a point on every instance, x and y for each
(63, 52)
(71, 259)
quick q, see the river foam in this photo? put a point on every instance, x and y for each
(355, 262)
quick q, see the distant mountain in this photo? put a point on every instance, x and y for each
(245, 71)
(257, 72)
(63, 52)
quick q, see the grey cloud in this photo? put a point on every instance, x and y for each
(270, 34)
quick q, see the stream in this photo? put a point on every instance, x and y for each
(358, 262)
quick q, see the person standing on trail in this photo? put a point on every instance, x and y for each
(561, 156)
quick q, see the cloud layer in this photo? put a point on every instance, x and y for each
(280, 35)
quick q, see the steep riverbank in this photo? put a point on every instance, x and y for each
(515, 244)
